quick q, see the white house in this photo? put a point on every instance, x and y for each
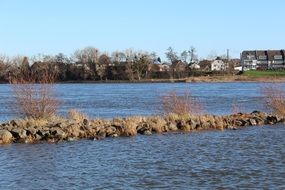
(218, 65)
(194, 66)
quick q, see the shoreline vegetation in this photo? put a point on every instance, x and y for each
(200, 79)
(90, 65)
(78, 126)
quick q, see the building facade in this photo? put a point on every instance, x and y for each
(218, 65)
(263, 59)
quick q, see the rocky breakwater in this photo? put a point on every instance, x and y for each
(59, 129)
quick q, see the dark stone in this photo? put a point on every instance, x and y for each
(271, 119)
(58, 133)
(259, 120)
(37, 137)
(19, 133)
(15, 123)
(144, 127)
(85, 122)
(181, 124)
(43, 133)
(31, 131)
(101, 133)
(256, 112)
(110, 131)
(240, 122)
(252, 122)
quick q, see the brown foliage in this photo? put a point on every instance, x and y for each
(180, 104)
(34, 98)
(76, 115)
(275, 98)
(236, 108)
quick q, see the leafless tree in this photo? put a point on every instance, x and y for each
(171, 55)
(184, 56)
(103, 63)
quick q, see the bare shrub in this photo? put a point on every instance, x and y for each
(236, 107)
(182, 104)
(274, 98)
(76, 115)
(34, 98)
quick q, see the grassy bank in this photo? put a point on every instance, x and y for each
(266, 73)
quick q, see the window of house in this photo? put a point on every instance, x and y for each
(262, 57)
(250, 57)
(278, 57)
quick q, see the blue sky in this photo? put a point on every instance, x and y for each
(29, 27)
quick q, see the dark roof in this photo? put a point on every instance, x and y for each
(271, 54)
(268, 53)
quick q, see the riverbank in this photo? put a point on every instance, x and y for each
(200, 79)
(236, 78)
(79, 127)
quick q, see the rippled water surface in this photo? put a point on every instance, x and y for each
(112, 100)
(250, 158)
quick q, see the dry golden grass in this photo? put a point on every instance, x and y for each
(275, 98)
(129, 125)
(157, 124)
(76, 115)
(182, 104)
(31, 121)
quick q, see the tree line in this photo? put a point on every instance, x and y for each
(91, 64)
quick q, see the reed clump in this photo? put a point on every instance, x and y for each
(274, 95)
(180, 104)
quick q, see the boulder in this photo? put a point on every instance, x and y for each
(37, 137)
(5, 136)
(193, 124)
(110, 131)
(58, 132)
(31, 131)
(181, 124)
(44, 134)
(73, 130)
(59, 124)
(16, 123)
(271, 119)
(6, 126)
(143, 127)
(19, 133)
(252, 122)
(259, 120)
(101, 133)
(85, 122)
(147, 132)
(172, 126)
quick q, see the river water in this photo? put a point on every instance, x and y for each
(250, 158)
(121, 100)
